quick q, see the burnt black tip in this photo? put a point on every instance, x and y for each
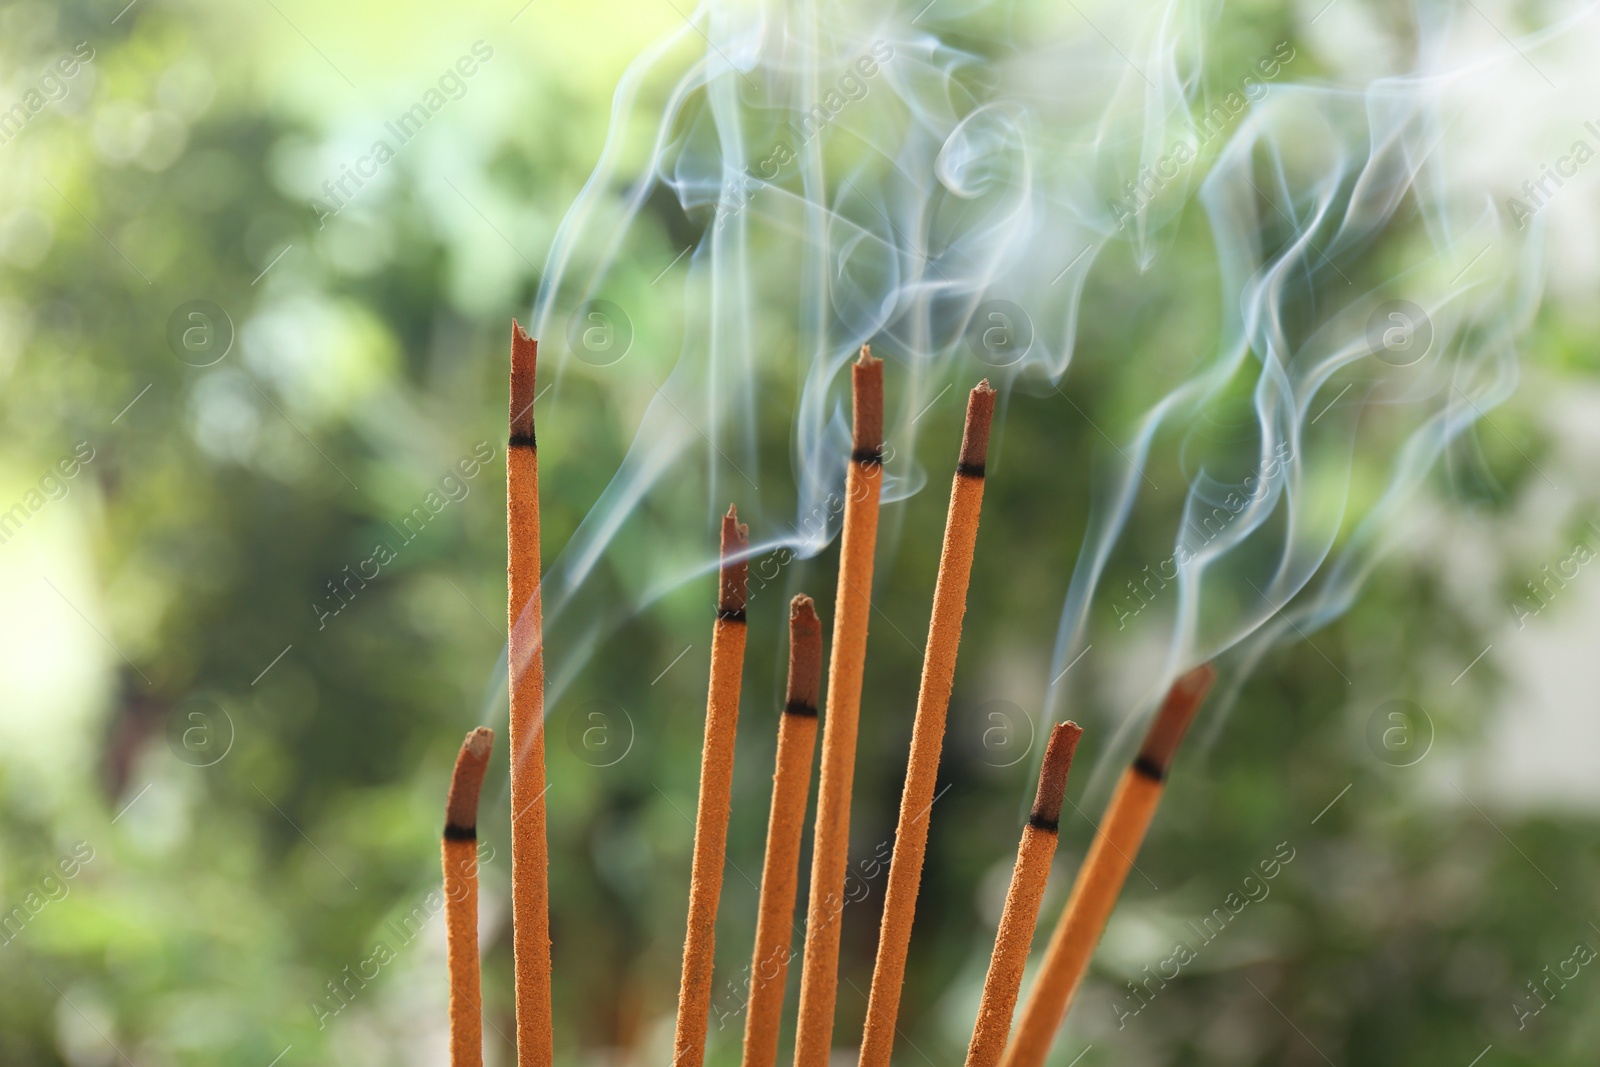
(730, 615)
(452, 832)
(1150, 769)
(800, 707)
(522, 440)
(1039, 822)
(970, 470)
(868, 457)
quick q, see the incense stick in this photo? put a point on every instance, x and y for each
(716, 797)
(1021, 914)
(460, 858)
(1105, 868)
(780, 872)
(530, 858)
(819, 972)
(927, 732)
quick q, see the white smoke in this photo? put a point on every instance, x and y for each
(942, 184)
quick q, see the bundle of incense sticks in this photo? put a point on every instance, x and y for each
(1088, 907)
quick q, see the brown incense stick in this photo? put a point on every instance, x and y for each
(819, 972)
(780, 872)
(716, 797)
(1104, 869)
(927, 732)
(1021, 912)
(530, 858)
(460, 849)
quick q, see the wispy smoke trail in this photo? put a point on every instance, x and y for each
(851, 178)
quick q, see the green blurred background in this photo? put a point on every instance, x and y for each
(219, 792)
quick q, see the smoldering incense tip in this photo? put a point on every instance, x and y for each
(866, 377)
(524, 361)
(461, 810)
(975, 438)
(805, 658)
(1172, 721)
(1058, 754)
(735, 568)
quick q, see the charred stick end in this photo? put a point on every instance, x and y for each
(866, 378)
(524, 361)
(461, 811)
(732, 592)
(805, 658)
(1172, 721)
(975, 438)
(1046, 814)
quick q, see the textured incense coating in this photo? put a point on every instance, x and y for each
(530, 857)
(460, 859)
(716, 798)
(1104, 869)
(1028, 880)
(927, 734)
(780, 872)
(819, 974)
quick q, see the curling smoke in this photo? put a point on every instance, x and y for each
(847, 177)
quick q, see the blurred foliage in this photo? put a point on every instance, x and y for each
(258, 779)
